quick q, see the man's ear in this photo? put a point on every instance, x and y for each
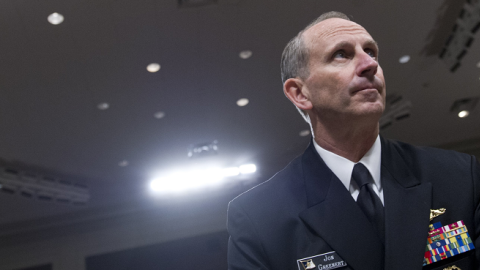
(296, 91)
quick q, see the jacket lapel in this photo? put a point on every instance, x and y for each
(407, 210)
(335, 217)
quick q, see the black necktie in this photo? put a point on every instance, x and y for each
(368, 200)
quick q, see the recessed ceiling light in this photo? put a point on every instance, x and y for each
(123, 163)
(242, 102)
(404, 59)
(463, 114)
(464, 106)
(304, 133)
(103, 106)
(153, 67)
(55, 18)
(159, 115)
(478, 65)
(245, 54)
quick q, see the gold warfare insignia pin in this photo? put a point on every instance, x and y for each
(436, 212)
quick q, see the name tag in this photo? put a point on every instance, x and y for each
(325, 261)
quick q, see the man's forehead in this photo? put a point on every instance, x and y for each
(332, 27)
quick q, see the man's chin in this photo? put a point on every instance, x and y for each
(371, 109)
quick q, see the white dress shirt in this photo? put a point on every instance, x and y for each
(343, 168)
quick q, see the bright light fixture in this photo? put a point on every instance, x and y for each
(153, 67)
(187, 180)
(242, 102)
(248, 168)
(245, 54)
(103, 106)
(404, 59)
(181, 181)
(463, 114)
(232, 171)
(55, 18)
(159, 184)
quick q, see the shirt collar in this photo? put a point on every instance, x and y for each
(343, 167)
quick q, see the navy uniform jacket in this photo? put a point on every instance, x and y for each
(304, 210)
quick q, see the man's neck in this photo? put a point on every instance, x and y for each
(349, 140)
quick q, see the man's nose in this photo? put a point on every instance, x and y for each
(367, 66)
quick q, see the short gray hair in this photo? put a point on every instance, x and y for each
(295, 56)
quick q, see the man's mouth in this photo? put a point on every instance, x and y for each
(366, 89)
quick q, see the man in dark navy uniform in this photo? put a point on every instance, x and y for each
(354, 200)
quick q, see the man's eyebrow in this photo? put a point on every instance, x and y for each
(340, 45)
(372, 42)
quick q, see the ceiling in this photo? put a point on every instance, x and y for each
(52, 78)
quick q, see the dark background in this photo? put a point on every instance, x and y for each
(52, 78)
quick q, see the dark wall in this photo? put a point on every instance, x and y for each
(206, 252)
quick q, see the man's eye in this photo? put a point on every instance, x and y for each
(339, 54)
(371, 53)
